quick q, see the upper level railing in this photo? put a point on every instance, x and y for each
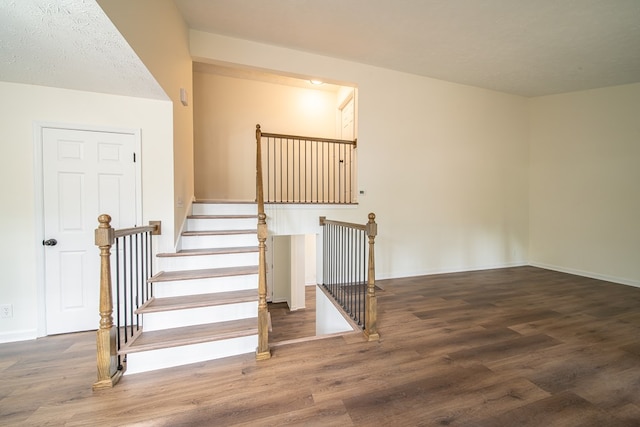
(302, 169)
(348, 270)
(133, 266)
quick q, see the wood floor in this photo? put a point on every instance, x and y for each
(293, 325)
(510, 347)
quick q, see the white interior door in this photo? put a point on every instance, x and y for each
(347, 131)
(85, 174)
(347, 114)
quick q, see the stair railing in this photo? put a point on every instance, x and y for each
(262, 352)
(349, 270)
(133, 266)
(304, 169)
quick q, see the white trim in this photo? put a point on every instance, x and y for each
(590, 274)
(28, 334)
(383, 276)
(189, 211)
(38, 193)
(346, 100)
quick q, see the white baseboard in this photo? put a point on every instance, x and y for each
(590, 274)
(577, 272)
(383, 276)
(30, 334)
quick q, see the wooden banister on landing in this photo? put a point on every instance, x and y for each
(110, 369)
(306, 169)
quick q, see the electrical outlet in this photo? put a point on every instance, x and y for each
(6, 311)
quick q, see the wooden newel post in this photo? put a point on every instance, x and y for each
(370, 328)
(262, 352)
(108, 373)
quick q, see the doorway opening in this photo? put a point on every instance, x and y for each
(299, 308)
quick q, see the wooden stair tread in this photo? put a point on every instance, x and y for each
(183, 302)
(218, 232)
(186, 335)
(168, 276)
(210, 251)
(229, 216)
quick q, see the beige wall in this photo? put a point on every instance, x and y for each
(22, 106)
(226, 111)
(444, 166)
(158, 34)
(585, 183)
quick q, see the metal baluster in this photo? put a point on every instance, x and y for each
(118, 326)
(131, 296)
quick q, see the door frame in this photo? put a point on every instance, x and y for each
(38, 164)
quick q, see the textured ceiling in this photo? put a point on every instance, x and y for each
(523, 47)
(69, 44)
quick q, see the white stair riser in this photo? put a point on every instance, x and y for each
(180, 263)
(183, 355)
(220, 241)
(205, 286)
(199, 316)
(205, 224)
(225, 209)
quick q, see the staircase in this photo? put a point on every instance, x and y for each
(205, 303)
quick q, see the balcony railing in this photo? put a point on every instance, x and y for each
(302, 169)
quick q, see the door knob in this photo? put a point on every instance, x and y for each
(50, 242)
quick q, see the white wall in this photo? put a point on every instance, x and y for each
(226, 112)
(288, 268)
(585, 183)
(281, 269)
(444, 166)
(328, 319)
(20, 107)
(310, 277)
(297, 273)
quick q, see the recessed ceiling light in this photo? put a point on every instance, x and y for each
(316, 82)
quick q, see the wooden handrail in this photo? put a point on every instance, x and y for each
(263, 351)
(109, 372)
(153, 228)
(310, 138)
(324, 220)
